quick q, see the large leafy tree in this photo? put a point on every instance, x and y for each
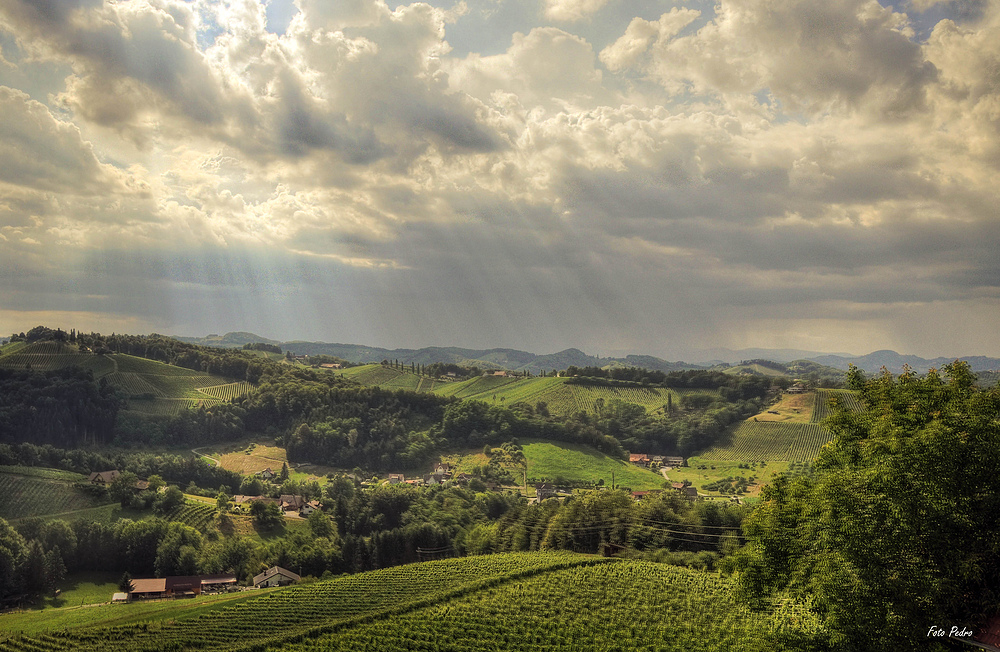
(898, 530)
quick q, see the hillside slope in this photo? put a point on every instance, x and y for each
(512, 601)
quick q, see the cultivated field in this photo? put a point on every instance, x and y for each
(823, 397)
(28, 492)
(254, 458)
(513, 601)
(549, 460)
(792, 408)
(762, 441)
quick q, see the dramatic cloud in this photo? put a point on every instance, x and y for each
(778, 173)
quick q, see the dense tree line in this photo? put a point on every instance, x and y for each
(262, 346)
(179, 469)
(64, 407)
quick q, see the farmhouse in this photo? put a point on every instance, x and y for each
(275, 576)
(797, 388)
(639, 459)
(330, 365)
(104, 477)
(179, 587)
(544, 490)
(309, 508)
(290, 503)
(673, 461)
(502, 374)
(396, 478)
(442, 467)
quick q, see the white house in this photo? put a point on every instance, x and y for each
(275, 576)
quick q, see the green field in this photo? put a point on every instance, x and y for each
(302, 610)
(561, 397)
(549, 460)
(626, 605)
(25, 492)
(768, 440)
(511, 601)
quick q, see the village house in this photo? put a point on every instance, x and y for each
(502, 374)
(674, 462)
(442, 467)
(435, 478)
(309, 508)
(331, 365)
(544, 490)
(639, 459)
(289, 503)
(275, 576)
(797, 388)
(268, 474)
(396, 478)
(104, 478)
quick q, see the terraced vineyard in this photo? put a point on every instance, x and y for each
(372, 374)
(482, 387)
(46, 356)
(821, 410)
(768, 440)
(227, 392)
(196, 514)
(32, 494)
(627, 605)
(164, 407)
(311, 610)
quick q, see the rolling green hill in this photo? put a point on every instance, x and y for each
(28, 491)
(152, 387)
(561, 397)
(512, 601)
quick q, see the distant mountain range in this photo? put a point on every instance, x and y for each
(515, 360)
(510, 359)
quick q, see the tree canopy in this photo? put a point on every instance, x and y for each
(897, 531)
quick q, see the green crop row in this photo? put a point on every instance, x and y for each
(767, 440)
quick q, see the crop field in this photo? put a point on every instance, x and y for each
(624, 605)
(137, 365)
(227, 392)
(372, 374)
(256, 457)
(133, 384)
(162, 407)
(651, 398)
(573, 462)
(762, 441)
(823, 397)
(791, 408)
(196, 514)
(482, 387)
(308, 610)
(33, 495)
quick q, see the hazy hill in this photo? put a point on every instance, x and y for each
(873, 362)
(511, 359)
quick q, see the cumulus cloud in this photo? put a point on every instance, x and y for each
(817, 161)
(41, 152)
(812, 57)
(571, 10)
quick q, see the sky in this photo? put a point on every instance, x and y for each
(620, 176)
